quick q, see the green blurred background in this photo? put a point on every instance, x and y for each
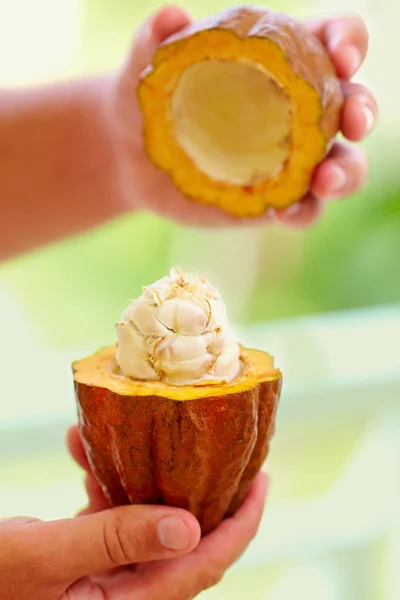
(74, 291)
(67, 297)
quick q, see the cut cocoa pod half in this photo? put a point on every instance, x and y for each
(239, 109)
(197, 447)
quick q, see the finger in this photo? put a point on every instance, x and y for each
(189, 575)
(94, 491)
(222, 548)
(344, 172)
(74, 548)
(302, 214)
(166, 22)
(96, 499)
(75, 447)
(346, 39)
(359, 112)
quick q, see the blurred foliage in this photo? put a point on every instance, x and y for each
(109, 26)
(76, 290)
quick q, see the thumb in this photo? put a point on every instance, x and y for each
(74, 548)
(164, 23)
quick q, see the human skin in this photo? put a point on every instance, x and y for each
(121, 553)
(72, 157)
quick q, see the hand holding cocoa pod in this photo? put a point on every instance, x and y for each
(334, 49)
(93, 556)
(96, 127)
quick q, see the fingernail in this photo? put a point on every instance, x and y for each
(173, 533)
(353, 57)
(339, 178)
(369, 119)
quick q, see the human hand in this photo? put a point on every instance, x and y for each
(342, 173)
(130, 552)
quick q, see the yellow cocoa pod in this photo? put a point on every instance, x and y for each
(239, 109)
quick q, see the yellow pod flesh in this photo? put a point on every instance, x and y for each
(239, 109)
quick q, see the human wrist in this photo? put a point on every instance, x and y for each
(106, 180)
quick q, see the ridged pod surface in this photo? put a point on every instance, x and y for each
(195, 447)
